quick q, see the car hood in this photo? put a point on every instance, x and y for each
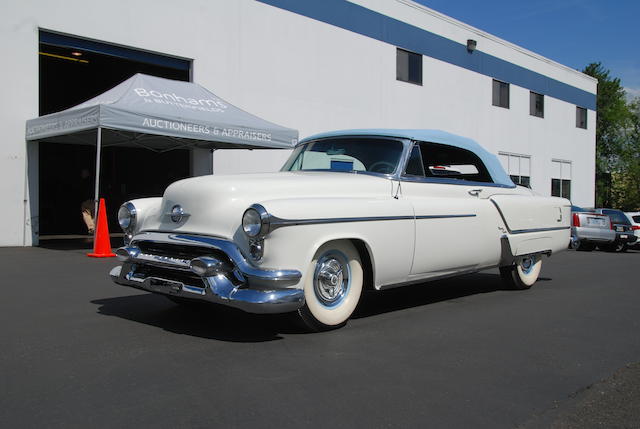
(213, 205)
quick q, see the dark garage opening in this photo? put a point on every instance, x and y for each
(73, 70)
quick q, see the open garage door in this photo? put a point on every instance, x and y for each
(73, 70)
(143, 112)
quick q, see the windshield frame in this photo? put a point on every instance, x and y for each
(406, 144)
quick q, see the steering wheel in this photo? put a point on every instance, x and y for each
(384, 167)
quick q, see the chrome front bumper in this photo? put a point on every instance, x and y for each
(205, 268)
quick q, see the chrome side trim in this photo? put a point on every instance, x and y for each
(524, 231)
(277, 222)
(444, 216)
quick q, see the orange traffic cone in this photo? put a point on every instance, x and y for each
(101, 241)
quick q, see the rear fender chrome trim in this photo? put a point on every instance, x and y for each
(524, 231)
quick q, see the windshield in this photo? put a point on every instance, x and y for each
(374, 155)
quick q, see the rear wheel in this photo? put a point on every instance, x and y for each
(523, 274)
(332, 286)
(615, 247)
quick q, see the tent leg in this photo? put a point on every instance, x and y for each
(97, 187)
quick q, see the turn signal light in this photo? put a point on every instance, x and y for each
(576, 219)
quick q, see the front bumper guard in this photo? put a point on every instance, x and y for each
(237, 284)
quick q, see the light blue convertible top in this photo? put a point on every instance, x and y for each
(494, 167)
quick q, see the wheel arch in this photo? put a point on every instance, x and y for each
(365, 253)
(366, 258)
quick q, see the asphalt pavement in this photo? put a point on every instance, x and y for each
(79, 351)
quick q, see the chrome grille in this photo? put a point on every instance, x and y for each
(185, 277)
(179, 251)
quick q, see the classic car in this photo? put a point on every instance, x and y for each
(590, 229)
(349, 210)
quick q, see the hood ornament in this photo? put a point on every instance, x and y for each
(177, 213)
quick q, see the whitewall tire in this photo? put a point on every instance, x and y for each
(524, 273)
(332, 286)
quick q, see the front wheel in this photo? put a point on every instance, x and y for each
(523, 274)
(332, 286)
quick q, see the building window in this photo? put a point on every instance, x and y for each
(581, 117)
(518, 167)
(536, 104)
(500, 94)
(561, 179)
(408, 66)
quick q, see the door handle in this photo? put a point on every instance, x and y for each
(475, 192)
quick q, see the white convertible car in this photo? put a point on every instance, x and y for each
(349, 210)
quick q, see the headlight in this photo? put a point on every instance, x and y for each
(127, 217)
(255, 221)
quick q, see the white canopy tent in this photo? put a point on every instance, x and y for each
(159, 114)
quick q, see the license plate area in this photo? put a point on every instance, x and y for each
(595, 221)
(168, 285)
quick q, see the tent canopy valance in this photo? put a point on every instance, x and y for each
(161, 114)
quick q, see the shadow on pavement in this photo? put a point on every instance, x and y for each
(75, 243)
(228, 324)
(455, 288)
(198, 319)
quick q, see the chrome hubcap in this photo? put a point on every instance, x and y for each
(527, 265)
(331, 280)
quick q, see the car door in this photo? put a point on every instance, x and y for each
(456, 225)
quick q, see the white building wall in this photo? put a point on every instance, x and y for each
(299, 73)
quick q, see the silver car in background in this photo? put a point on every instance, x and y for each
(589, 229)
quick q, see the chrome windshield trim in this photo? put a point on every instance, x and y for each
(358, 172)
(406, 146)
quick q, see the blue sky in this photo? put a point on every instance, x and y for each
(572, 32)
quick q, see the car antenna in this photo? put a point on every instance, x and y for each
(397, 190)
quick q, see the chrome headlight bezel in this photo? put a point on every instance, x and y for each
(127, 217)
(256, 221)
